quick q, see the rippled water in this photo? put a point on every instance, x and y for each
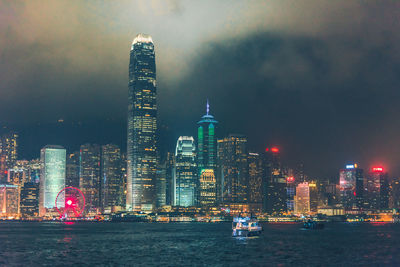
(175, 244)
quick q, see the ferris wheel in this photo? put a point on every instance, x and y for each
(70, 203)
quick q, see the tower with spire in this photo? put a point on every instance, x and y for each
(207, 141)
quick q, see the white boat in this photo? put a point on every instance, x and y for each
(245, 227)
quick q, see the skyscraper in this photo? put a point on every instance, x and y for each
(89, 176)
(255, 178)
(72, 170)
(111, 179)
(306, 198)
(351, 186)
(376, 184)
(9, 201)
(29, 200)
(274, 182)
(52, 176)
(232, 162)
(8, 153)
(207, 188)
(169, 178)
(185, 172)
(142, 125)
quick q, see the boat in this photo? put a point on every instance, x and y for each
(312, 225)
(245, 227)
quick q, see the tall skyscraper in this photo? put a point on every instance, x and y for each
(207, 146)
(142, 125)
(233, 166)
(111, 179)
(52, 177)
(8, 153)
(89, 176)
(185, 172)
(274, 183)
(72, 170)
(351, 186)
(376, 184)
(161, 185)
(169, 177)
(255, 178)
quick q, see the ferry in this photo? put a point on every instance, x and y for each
(245, 227)
(312, 225)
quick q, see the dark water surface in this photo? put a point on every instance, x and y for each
(177, 244)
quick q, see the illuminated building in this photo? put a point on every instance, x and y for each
(169, 177)
(207, 188)
(72, 170)
(185, 172)
(9, 201)
(207, 142)
(306, 198)
(52, 176)
(161, 185)
(394, 193)
(124, 179)
(274, 183)
(332, 194)
(142, 125)
(8, 153)
(377, 189)
(111, 179)
(351, 187)
(89, 176)
(290, 193)
(232, 161)
(29, 200)
(34, 170)
(255, 178)
(19, 174)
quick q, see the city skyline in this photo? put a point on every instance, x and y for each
(332, 107)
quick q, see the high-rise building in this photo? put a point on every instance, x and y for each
(8, 153)
(290, 193)
(207, 142)
(185, 172)
(29, 201)
(142, 125)
(19, 173)
(9, 201)
(124, 178)
(207, 188)
(34, 170)
(255, 178)
(52, 177)
(233, 166)
(89, 176)
(274, 183)
(161, 185)
(72, 170)
(111, 180)
(351, 186)
(394, 193)
(169, 178)
(306, 198)
(376, 184)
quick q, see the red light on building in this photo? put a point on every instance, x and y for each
(377, 169)
(275, 150)
(354, 193)
(5, 172)
(267, 149)
(290, 179)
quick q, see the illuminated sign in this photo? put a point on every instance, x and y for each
(290, 179)
(351, 166)
(275, 150)
(377, 169)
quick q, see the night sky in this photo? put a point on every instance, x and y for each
(319, 79)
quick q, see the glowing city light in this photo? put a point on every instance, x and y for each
(377, 169)
(351, 166)
(275, 149)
